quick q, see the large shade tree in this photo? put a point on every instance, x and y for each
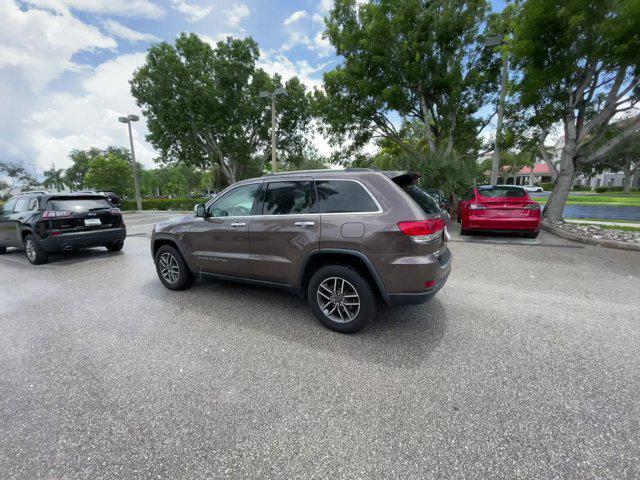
(578, 62)
(203, 107)
(406, 61)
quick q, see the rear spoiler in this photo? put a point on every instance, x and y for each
(403, 178)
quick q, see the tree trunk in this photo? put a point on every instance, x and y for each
(558, 198)
(426, 118)
(626, 181)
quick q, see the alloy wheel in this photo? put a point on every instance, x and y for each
(169, 268)
(31, 250)
(338, 299)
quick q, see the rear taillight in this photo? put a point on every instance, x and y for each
(56, 213)
(422, 231)
(476, 206)
(532, 206)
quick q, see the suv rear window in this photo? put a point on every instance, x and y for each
(78, 204)
(425, 201)
(500, 192)
(344, 196)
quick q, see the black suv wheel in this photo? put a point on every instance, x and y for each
(172, 269)
(341, 298)
(3, 250)
(35, 254)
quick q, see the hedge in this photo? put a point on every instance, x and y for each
(164, 203)
(546, 186)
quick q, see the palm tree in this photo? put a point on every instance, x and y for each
(54, 178)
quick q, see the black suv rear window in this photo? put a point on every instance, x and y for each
(500, 192)
(77, 204)
(344, 196)
(425, 201)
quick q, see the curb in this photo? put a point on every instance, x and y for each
(588, 240)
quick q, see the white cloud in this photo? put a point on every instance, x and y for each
(40, 45)
(295, 16)
(125, 8)
(236, 14)
(192, 12)
(126, 33)
(274, 62)
(63, 121)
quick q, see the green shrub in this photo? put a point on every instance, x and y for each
(164, 203)
(601, 189)
(548, 186)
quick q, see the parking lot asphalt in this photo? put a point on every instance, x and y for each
(526, 365)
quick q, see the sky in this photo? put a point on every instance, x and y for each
(65, 64)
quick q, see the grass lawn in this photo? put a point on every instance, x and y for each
(600, 220)
(631, 200)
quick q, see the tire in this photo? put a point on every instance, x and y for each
(115, 247)
(459, 216)
(169, 257)
(35, 254)
(349, 319)
(3, 250)
(532, 234)
(463, 231)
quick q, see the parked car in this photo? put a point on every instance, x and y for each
(339, 238)
(439, 197)
(532, 188)
(112, 198)
(43, 223)
(501, 208)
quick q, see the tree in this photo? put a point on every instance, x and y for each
(111, 171)
(624, 157)
(578, 62)
(54, 178)
(203, 107)
(77, 173)
(419, 61)
(17, 176)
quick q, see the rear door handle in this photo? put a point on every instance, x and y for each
(304, 224)
(238, 224)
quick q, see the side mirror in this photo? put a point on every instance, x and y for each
(199, 210)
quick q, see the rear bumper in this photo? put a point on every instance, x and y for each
(399, 299)
(91, 238)
(526, 223)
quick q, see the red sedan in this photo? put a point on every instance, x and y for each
(503, 208)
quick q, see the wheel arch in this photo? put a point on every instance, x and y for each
(335, 256)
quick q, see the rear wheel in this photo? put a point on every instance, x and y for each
(35, 254)
(3, 250)
(172, 270)
(115, 247)
(463, 231)
(341, 298)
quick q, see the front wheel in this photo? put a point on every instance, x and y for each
(35, 254)
(115, 247)
(172, 270)
(341, 298)
(3, 250)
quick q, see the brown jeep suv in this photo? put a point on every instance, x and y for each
(342, 238)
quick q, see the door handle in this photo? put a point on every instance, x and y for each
(238, 224)
(304, 224)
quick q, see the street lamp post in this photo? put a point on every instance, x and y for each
(272, 96)
(136, 183)
(493, 42)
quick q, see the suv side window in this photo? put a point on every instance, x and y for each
(235, 203)
(33, 204)
(344, 196)
(8, 207)
(286, 198)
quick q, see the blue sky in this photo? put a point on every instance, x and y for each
(65, 64)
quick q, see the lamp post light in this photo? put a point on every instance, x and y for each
(128, 119)
(494, 42)
(272, 96)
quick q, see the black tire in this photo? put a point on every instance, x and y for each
(182, 274)
(463, 231)
(353, 281)
(459, 216)
(35, 254)
(3, 250)
(532, 234)
(115, 247)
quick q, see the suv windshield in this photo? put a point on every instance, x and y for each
(499, 192)
(425, 201)
(77, 204)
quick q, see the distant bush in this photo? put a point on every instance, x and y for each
(601, 189)
(164, 203)
(546, 185)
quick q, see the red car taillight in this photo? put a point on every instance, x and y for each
(532, 206)
(422, 231)
(476, 206)
(56, 213)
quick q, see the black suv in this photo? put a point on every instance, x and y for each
(44, 223)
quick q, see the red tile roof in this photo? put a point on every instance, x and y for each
(538, 169)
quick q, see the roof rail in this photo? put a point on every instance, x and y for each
(27, 192)
(328, 170)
